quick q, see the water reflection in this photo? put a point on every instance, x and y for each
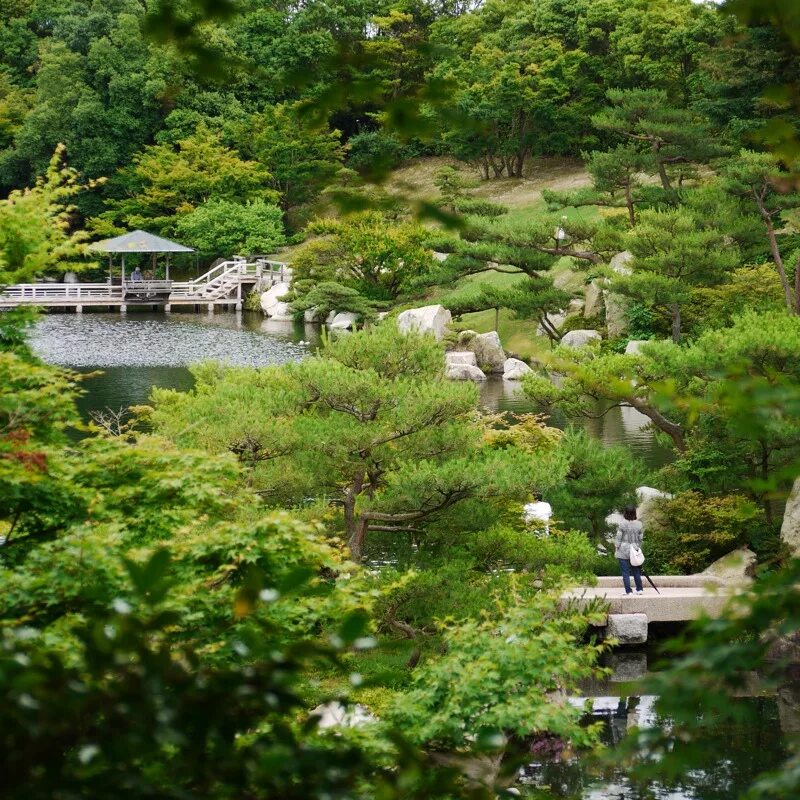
(617, 426)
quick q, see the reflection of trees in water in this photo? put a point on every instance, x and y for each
(728, 758)
(618, 426)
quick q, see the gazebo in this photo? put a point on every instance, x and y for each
(137, 242)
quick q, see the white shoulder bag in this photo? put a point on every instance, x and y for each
(637, 556)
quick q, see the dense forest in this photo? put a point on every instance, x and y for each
(189, 586)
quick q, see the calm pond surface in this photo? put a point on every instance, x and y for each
(143, 349)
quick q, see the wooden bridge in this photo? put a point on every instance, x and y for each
(223, 285)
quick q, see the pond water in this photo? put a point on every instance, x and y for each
(140, 350)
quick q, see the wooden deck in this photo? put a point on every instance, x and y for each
(223, 285)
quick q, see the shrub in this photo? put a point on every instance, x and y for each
(374, 151)
(479, 208)
(690, 531)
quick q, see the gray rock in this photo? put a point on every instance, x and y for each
(71, 277)
(427, 319)
(736, 567)
(790, 529)
(593, 299)
(331, 317)
(515, 370)
(310, 315)
(343, 321)
(580, 338)
(455, 358)
(489, 351)
(280, 312)
(440, 256)
(273, 296)
(648, 498)
(464, 372)
(634, 347)
(616, 314)
(621, 261)
(555, 320)
(627, 628)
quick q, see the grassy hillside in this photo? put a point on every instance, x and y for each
(414, 182)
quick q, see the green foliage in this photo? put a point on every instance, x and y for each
(130, 713)
(397, 447)
(326, 297)
(221, 228)
(378, 257)
(35, 225)
(683, 392)
(301, 160)
(373, 152)
(688, 532)
(673, 251)
(668, 135)
(167, 182)
(599, 480)
(509, 664)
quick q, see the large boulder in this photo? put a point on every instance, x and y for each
(790, 529)
(736, 567)
(280, 312)
(515, 370)
(647, 498)
(616, 314)
(464, 372)
(489, 351)
(593, 299)
(620, 263)
(273, 296)
(457, 358)
(427, 319)
(344, 320)
(580, 338)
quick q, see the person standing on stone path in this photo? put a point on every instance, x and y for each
(629, 532)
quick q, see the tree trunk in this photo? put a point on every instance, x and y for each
(662, 170)
(629, 204)
(485, 169)
(356, 528)
(675, 311)
(775, 250)
(672, 429)
(520, 163)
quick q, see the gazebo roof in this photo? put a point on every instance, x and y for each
(139, 242)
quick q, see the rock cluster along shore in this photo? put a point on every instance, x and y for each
(474, 355)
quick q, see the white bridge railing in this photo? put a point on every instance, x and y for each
(219, 283)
